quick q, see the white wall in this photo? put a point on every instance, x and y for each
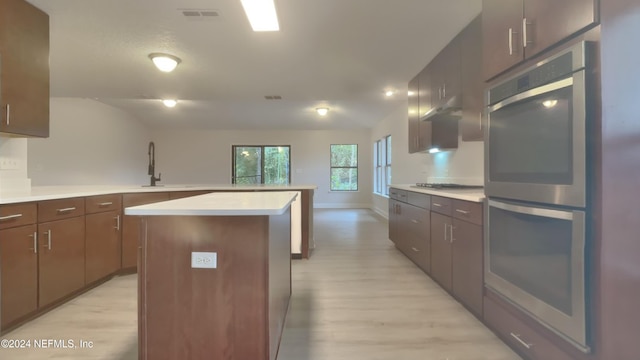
(90, 143)
(13, 165)
(464, 165)
(204, 157)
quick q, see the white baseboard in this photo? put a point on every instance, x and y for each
(381, 213)
(341, 206)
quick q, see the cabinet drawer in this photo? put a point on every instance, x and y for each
(519, 335)
(403, 195)
(102, 203)
(60, 209)
(13, 215)
(393, 193)
(441, 205)
(418, 199)
(468, 211)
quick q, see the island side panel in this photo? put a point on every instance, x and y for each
(279, 277)
(307, 222)
(205, 313)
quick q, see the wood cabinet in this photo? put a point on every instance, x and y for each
(441, 261)
(414, 115)
(24, 69)
(61, 260)
(472, 122)
(18, 271)
(131, 225)
(409, 225)
(446, 82)
(103, 241)
(514, 30)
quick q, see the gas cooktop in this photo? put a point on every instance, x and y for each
(447, 186)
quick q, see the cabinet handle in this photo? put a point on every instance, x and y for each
(117, 222)
(480, 121)
(524, 343)
(35, 241)
(524, 33)
(462, 212)
(9, 217)
(445, 232)
(49, 238)
(8, 113)
(66, 209)
(105, 203)
(439, 93)
(437, 205)
(511, 32)
(444, 90)
(451, 234)
(415, 221)
(414, 249)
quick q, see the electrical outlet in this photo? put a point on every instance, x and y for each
(204, 260)
(7, 163)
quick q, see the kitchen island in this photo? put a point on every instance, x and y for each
(214, 276)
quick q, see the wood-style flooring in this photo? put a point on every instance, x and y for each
(356, 298)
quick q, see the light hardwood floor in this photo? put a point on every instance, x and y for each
(356, 298)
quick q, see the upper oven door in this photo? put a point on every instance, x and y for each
(536, 144)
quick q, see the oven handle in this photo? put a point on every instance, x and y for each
(533, 92)
(555, 214)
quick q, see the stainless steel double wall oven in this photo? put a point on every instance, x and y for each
(536, 180)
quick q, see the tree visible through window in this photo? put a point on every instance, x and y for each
(261, 164)
(344, 167)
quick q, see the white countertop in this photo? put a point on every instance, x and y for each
(474, 195)
(39, 193)
(220, 204)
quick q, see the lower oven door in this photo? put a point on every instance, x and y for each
(535, 258)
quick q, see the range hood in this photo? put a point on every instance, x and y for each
(449, 111)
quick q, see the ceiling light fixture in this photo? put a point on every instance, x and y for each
(261, 14)
(549, 103)
(170, 103)
(410, 93)
(389, 93)
(322, 111)
(164, 62)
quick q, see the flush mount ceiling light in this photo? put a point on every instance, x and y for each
(549, 103)
(170, 103)
(261, 14)
(322, 111)
(165, 62)
(389, 93)
(410, 93)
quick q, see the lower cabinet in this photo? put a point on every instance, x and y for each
(441, 260)
(61, 259)
(19, 273)
(467, 259)
(415, 223)
(102, 245)
(131, 225)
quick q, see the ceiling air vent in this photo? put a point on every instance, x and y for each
(200, 14)
(273, 97)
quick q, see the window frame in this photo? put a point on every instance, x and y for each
(331, 167)
(382, 158)
(262, 147)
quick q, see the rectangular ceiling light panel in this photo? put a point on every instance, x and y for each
(261, 14)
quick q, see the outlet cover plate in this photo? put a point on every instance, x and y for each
(204, 260)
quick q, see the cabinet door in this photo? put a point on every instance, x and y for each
(441, 250)
(549, 22)
(393, 220)
(502, 35)
(61, 258)
(102, 245)
(450, 67)
(417, 223)
(471, 124)
(424, 127)
(131, 226)
(414, 108)
(19, 273)
(24, 49)
(467, 270)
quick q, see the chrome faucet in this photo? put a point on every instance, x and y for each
(152, 164)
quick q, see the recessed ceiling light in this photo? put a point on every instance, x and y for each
(322, 111)
(261, 14)
(389, 93)
(170, 103)
(164, 62)
(410, 93)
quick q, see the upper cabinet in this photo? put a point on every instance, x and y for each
(515, 30)
(471, 124)
(24, 69)
(445, 75)
(414, 117)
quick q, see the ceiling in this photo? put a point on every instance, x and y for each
(342, 54)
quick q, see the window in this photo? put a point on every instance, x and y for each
(382, 165)
(344, 167)
(261, 164)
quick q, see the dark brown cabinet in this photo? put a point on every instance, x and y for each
(19, 273)
(471, 124)
(61, 258)
(24, 69)
(409, 225)
(441, 249)
(445, 74)
(102, 245)
(414, 116)
(514, 30)
(131, 225)
(467, 269)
